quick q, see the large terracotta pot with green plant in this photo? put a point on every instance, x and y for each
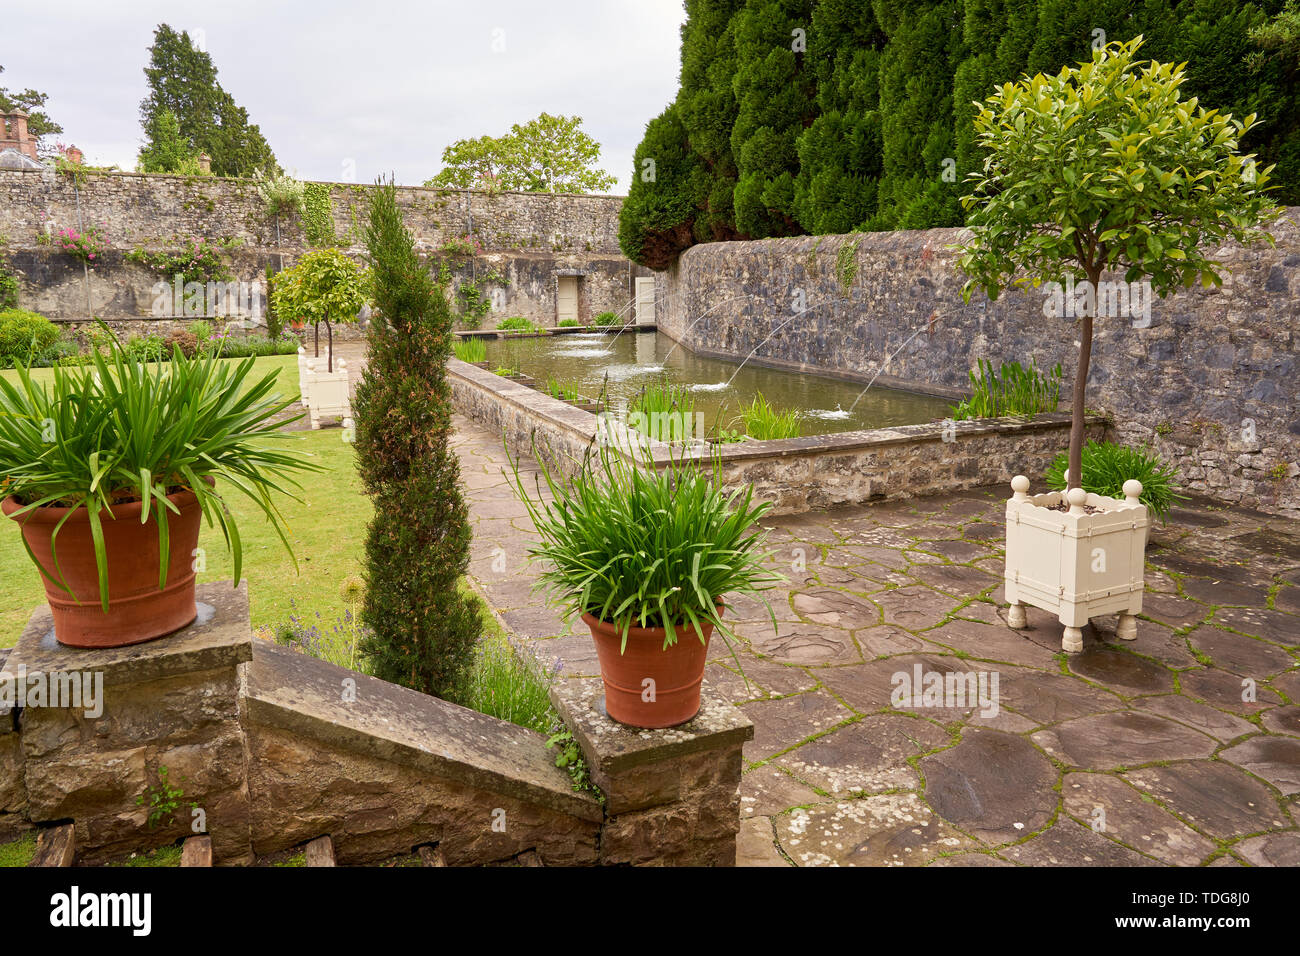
(110, 471)
(647, 553)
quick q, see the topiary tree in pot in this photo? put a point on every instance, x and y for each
(1101, 168)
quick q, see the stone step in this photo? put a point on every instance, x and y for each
(432, 856)
(56, 846)
(197, 851)
(320, 852)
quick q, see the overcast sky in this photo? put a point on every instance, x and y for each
(383, 84)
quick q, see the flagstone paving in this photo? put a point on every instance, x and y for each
(1180, 748)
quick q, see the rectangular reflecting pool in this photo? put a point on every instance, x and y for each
(620, 365)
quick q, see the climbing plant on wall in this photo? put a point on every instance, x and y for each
(318, 214)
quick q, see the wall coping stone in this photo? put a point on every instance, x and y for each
(300, 694)
(612, 747)
(219, 638)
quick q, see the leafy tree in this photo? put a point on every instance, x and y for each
(1105, 167)
(324, 286)
(32, 103)
(546, 154)
(183, 80)
(421, 627)
(165, 149)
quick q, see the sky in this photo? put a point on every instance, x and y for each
(346, 90)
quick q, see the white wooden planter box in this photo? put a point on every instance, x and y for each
(304, 386)
(329, 393)
(1073, 564)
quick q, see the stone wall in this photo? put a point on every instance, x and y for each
(794, 474)
(1213, 383)
(269, 749)
(529, 238)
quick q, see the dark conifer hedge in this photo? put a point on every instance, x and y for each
(832, 116)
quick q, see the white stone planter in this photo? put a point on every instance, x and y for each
(329, 393)
(1074, 564)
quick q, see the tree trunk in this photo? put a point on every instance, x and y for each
(1081, 387)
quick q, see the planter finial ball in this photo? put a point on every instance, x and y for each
(1076, 497)
(1132, 491)
(1020, 485)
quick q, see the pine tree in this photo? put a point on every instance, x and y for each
(183, 80)
(422, 627)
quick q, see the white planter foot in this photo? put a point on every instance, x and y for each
(1128, 628)
(1016, 617)
(1072, 640)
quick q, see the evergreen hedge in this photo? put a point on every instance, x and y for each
(834, 116)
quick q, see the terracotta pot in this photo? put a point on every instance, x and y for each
(137, 610)
(677, 673)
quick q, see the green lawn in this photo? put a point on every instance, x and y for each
(326, 529)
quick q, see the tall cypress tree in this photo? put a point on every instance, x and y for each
(422, 626)
(775, 101)
(183, 80)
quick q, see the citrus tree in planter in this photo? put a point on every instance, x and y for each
(324, 286)
(647, 557)
(110, 471)
(1100, 169)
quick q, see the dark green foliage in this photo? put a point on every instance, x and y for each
(274, 321)
(183, 80)
(872, 126)
(422, 626)
(24, 334)
(8, 288)
(1106, 466)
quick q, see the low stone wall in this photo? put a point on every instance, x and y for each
(264, 749)
(795, 474)
(1212, 383)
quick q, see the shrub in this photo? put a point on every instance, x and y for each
(24, 333)
(144, 348)
(606, 319)
(8, 288)
(187, 342)
(282, 194)
(1106, 466)
(422, 628)
(470, 350)
(763, 422)
(516, 323)
(567, 324)
(1012, 390)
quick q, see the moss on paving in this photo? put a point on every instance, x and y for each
(18, 852)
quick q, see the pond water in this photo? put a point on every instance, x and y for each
(621, 365)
